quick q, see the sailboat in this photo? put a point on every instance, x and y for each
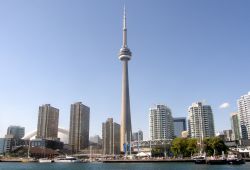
(201, 158)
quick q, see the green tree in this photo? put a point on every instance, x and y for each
(157, 152)
(214, 145)
(184, 147)
(192, 146)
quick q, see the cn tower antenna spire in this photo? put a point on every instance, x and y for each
(124, 44)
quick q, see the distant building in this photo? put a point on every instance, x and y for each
(17, 131)
(96, 143)
(235, 125)
(200, 121)
(95, 139)
(9, 143)
(180, 125)
(47, 126)
(244, 113)
(161, 123)
(137, 136)
(2, 141)
(228, 135)
(111, 137)
(79, 126)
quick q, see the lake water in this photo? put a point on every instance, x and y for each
(117, 166)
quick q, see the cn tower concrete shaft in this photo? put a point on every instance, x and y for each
(125, 55)
(125, 109)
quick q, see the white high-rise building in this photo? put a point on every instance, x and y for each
(161, 123)
(200, 121)
(244, 113)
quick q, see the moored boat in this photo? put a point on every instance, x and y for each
(216, 160)
(235, 159)
(199, 159)
(66, 159)
(45, 160)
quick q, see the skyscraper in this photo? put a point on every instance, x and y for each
(200, 121)
(47, 126)
(125, 55)
(111, 137)
(244, 113)
(17, 131)
(179, 126)
(161, 123)
(79, 126)
(235, 125)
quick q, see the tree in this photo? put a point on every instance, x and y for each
(157, 152)
(184, 147)
(192, 146)
(215, 146)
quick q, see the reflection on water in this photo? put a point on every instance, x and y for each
(120, 166)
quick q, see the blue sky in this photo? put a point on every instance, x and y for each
(61, 52)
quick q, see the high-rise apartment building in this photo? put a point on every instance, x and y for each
(17, 131)
(161, 123)
(47, 126)
(79, 126)
(137, 136)
(111, 137)
(200, 121)
(180, 125)
(244, 113)
(235, 125)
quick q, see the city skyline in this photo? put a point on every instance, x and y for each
(60, 55)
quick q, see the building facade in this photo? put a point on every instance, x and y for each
(111, 137)
(137, 136)
(244, 114)
(161, 123)
(228, 135)
(79, 126)
(2, 141)
(235, 125)
(200, 121)
(47, 126)
(17, 131)
(180, 125)
(9, 143)
(96, 139)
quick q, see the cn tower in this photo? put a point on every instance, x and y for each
(125, 55)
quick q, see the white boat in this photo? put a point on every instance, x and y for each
(45, 160)
(67, 159)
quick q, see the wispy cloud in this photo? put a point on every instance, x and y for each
(224, 105)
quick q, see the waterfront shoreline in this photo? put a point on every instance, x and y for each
(148, 161)
(123, 161)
